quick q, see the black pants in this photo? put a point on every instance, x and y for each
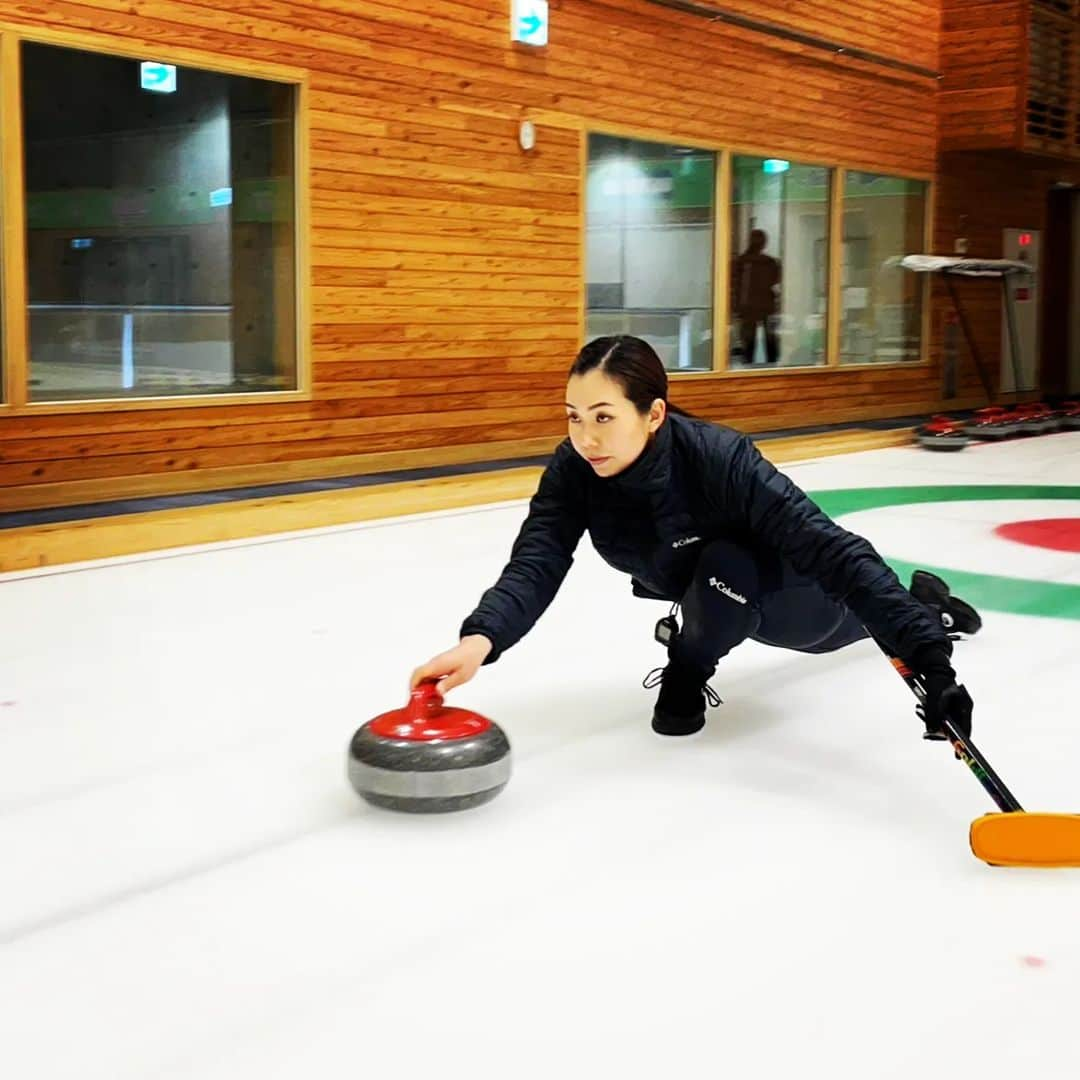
(738, 594)
(748, 324)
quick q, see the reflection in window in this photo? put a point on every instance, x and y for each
(649, 247)
(160, 228)
(882, 304)
(779, 263)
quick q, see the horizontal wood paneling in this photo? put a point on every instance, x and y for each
(983, 59)
(446, 264)
(904, 31)
(33, 547)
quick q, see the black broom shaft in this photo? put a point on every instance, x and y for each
(994, 786)
(965, 749)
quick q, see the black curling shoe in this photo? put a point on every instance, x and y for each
(957, 617)
(680, 707)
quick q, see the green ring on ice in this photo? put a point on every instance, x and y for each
(1018, 596)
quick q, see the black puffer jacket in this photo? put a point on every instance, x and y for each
(696, 482)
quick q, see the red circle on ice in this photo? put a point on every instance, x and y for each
(1056, 534)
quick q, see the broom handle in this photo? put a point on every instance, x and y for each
(965, 749)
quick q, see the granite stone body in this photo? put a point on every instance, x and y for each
(429, 776)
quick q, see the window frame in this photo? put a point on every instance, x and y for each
(720, 172)
(830, 272)
(722, 256)
(14, 313)
(923, 280)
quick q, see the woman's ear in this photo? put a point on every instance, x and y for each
(657, 412)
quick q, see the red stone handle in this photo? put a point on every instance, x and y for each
(424, 700)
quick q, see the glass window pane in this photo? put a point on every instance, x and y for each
(881, 317)
(160, 228)
(649, 247)
(780, 260)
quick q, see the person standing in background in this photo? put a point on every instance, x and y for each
(755, 283)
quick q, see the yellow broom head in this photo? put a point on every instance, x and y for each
(1023, 839)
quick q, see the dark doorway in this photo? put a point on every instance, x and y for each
(1056, 279)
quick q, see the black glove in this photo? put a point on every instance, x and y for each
(944, 698)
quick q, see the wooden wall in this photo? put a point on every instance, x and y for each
(447, 268)
(979, 194)
(984, 60)
(905, 31)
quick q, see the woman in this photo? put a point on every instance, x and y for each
(694, 513)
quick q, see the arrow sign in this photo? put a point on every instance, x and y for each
(160, 78)
(529, 22)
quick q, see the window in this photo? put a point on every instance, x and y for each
(779, 263)
(881, 304)
(160, 228)
(649, 211)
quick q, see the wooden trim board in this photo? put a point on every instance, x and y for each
(37, 546)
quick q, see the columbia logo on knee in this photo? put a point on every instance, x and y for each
(723, 587)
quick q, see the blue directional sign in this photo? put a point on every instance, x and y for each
(529, 22)
(160, 78)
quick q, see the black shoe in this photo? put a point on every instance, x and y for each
(680, 708)
(956, 616)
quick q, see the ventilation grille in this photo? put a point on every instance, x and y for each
(1061, 7)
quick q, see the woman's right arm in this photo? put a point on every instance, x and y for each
(539, 561)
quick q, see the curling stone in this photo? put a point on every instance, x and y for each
(427, 758)
(994, 423)
(1036, 418)
(942, 433)
(1070, 415)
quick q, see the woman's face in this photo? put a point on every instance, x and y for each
(605, 427)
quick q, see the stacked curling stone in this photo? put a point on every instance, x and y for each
(427, 758)
(942, 433)
(994, 423)
(1037, 418)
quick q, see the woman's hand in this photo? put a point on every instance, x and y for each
(455, 666)
(944, 699)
